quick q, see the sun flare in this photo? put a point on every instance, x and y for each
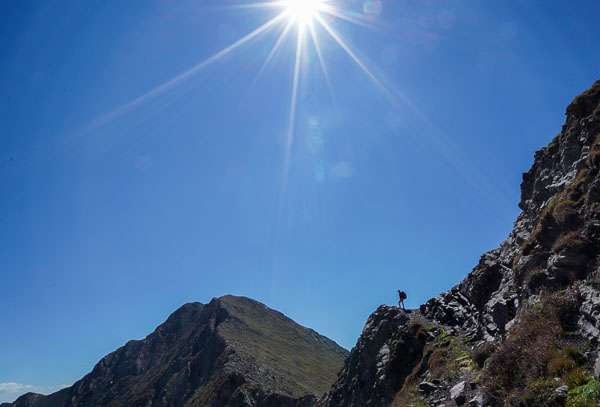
(315, 23)
(303, 11)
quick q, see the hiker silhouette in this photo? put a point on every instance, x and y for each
(402, 296)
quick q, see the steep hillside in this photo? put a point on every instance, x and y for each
(231, 352)
(522, 328)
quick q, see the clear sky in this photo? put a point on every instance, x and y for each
(142, 168)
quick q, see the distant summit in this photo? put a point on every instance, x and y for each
(233, 351)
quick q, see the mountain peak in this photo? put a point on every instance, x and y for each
(231, 351)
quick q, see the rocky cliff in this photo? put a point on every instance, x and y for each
(522, 328)
(231, 352)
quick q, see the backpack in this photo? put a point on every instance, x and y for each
(402, 295)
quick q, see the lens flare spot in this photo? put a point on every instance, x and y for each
(372, 7)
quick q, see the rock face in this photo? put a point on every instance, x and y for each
(231, 352)
(383, 357)
(555, 245)
(555, 240)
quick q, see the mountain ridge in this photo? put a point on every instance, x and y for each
(195, 358)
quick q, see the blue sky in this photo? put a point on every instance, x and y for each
(400, 174)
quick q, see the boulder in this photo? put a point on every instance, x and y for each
(427, 387)
(480, 400)
(457, 393)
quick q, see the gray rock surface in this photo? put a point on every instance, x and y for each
(427, 388)
(457, 393)
(385, 354)
(481, 400)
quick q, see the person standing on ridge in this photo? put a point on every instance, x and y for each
(402, 296)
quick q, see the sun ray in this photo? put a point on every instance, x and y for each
(311, 27)
(290, 133)
(277, 45)
(187, 74)
(260, 4)
(331, 10)
(352, 55)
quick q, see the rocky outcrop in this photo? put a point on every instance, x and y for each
(555, 244)
(390, 346)
(555, 240)
(231, 352)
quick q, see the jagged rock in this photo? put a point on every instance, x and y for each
(589, 322)
(389, 348)
(567, 265)
(457, 393)
(481, 400)
(427, 387)
(438, 402)
(594, 192)
(597, 366)
(489, 298)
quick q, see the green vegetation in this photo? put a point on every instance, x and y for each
(587, 395)
(447, 358)
(540, 393)
(523, 369)
(307, 361)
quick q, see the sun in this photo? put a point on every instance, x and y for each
(303, 11)
(313, 20)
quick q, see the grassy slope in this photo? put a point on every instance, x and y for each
(308, 362)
